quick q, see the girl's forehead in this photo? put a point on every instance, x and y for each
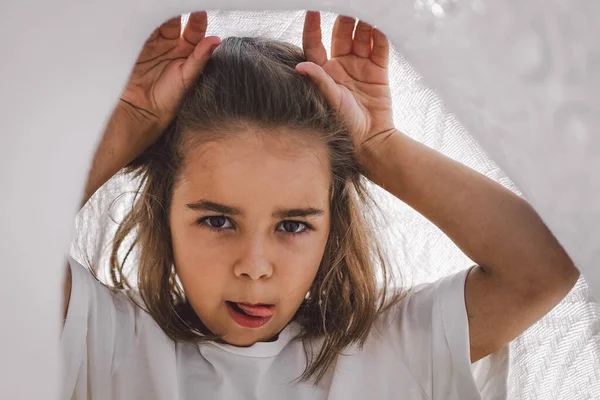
(286, 148)
(263, 168)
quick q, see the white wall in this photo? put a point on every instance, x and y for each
(523, 78)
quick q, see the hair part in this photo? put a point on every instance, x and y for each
(251, 83)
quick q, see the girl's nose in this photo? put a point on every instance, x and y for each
(253, 262)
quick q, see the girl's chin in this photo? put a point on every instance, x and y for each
(245, 341)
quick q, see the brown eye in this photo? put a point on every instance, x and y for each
(218, 222)
(292, 226)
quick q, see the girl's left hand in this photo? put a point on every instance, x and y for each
(355, 78)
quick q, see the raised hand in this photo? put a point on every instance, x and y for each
(355, 78)
(167, 64)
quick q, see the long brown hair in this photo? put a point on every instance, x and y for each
(251, 82)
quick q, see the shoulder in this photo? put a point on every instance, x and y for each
(429, 331)
(428, 315)
(413, 313)
(442, 299)
(103, 328)
(92, 298)
(103, 317)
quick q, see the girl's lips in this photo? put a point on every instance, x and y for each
(241, 317)
(257, 310)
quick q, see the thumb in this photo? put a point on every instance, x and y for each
(323, 81)
(196, 61)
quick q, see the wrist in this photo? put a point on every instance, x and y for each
(128, 134)
(130, 120)
(375, 149)
(124, 138)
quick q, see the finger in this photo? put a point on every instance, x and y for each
(171, 29)
(341, 38)
(312, 38)
(196, 61)
(324, 82)
(380, 54)
(195, 30)
(361, 45)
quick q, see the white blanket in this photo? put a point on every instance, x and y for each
(522, 78)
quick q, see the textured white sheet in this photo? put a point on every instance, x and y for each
(556, 359)
(523, 77)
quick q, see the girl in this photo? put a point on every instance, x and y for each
(257, 275)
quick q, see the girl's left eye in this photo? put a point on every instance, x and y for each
(293, 227)
(217, 222)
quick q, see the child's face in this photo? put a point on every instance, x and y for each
(250, 254)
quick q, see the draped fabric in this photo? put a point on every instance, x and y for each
(518, 79)
(557, 358)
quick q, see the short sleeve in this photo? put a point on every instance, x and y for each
(433, 337)
(98, 331)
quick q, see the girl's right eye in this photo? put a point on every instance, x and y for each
(216, 222)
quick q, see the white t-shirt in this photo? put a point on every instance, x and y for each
(112, 349)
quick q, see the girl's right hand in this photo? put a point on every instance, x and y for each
(168, 63)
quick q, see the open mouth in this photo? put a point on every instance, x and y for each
(250, 316)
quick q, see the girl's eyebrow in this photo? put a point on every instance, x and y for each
(297, 212)
(205, 205)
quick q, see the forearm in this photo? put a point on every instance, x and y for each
(121, 142)
(490, 224)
